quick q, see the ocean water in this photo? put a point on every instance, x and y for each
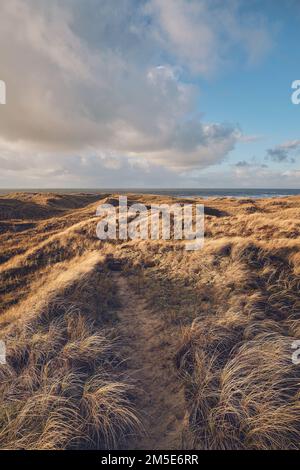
(204, 193)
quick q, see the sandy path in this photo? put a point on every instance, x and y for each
(150, 345)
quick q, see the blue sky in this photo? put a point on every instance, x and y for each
(258, 98)
(149, 93)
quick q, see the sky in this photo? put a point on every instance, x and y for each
(149, 93)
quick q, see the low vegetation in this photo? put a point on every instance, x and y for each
(229, 311)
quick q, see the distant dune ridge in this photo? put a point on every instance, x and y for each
(141, 344)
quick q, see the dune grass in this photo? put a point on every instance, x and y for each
(61, 386)
(234, 308)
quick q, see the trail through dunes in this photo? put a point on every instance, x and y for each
(150, 348)
(140, 344)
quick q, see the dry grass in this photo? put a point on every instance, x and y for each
(234, 306)
(61, 387)
(237, 304)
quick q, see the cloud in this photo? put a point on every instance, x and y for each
(242, 164)
(248, 176)
(284, 152)
(70, 171)
(248, 164)
(204, 33)
(89, 78)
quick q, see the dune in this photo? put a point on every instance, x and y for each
(142, 344)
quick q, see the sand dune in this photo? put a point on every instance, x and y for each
(141, 344)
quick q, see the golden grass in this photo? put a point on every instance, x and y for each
(237, 302)
(61, 387)
(235, 308)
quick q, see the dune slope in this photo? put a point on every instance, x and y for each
(141, 344)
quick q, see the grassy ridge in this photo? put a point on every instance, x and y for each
(61, 387)
(233, 308)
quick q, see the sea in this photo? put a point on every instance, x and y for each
(188, 192)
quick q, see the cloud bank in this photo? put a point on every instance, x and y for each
(106, 89)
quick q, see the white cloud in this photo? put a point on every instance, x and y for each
(246, 176)
(203, 33)
(98, 78)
